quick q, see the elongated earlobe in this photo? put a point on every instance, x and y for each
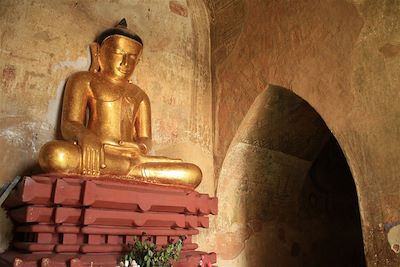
(94, 51)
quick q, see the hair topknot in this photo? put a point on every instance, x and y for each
(122, 29)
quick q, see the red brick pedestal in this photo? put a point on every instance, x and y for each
(76, 222)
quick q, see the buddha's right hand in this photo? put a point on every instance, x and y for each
(92, 154)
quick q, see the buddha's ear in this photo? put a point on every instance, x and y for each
(94, 51)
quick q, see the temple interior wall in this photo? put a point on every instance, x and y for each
(342, 57)
(204, 66)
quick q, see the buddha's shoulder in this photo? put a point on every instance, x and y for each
(82, 76)
(137, 93)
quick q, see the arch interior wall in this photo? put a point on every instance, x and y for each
(287, 196)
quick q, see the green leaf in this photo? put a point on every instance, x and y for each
(146, 253)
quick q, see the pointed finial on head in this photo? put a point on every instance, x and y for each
(122, 29)
(123, 23)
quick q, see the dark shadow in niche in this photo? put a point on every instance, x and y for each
(329, 196)
(316, 206)
(295, 186)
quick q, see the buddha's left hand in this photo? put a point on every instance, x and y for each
(126, 149)
(139, 146)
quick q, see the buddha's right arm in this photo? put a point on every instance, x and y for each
(73, 128)
(75, 101)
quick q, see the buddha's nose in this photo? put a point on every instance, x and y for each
(124, 61)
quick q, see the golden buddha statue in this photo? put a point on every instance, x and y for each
(106, 121)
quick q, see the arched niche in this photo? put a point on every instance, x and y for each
(287, 196)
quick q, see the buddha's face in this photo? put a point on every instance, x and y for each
(118, 56)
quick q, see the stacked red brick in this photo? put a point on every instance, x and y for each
(72, 215)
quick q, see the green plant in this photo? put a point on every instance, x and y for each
(146, 254)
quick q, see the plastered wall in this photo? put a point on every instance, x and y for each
(342, 57)
(43, 42)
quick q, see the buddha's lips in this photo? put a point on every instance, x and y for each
(124, 71)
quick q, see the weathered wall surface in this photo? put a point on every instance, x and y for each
(342, 57)
(43, 42)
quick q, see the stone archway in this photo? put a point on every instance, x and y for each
(274, 201)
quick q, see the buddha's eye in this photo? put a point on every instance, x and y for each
(119, 52)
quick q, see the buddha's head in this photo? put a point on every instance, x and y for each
(119, 51)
